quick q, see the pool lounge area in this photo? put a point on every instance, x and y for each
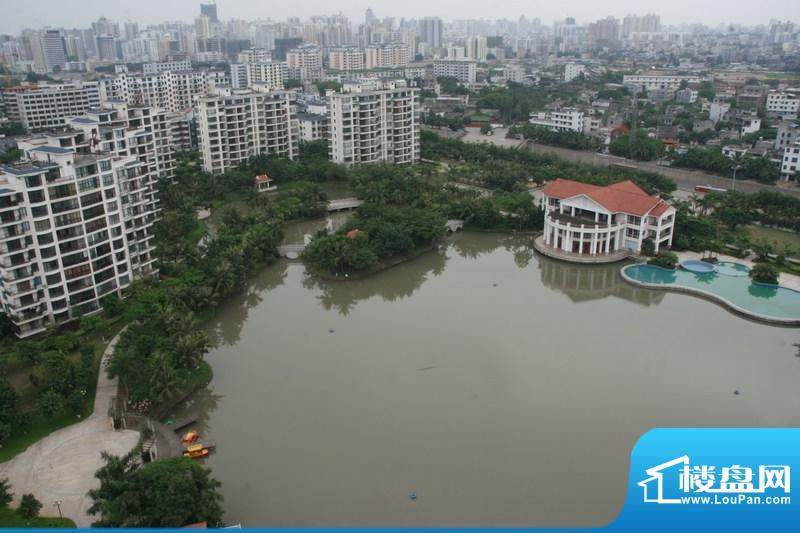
(726, 283)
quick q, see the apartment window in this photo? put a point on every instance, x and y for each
(33, 181)
(35, 197)
(41, 225)
(634, 220)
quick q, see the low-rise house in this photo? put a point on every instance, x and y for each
(562, 120)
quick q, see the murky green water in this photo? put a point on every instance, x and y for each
(504, 388)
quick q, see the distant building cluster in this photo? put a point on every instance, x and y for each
(105, 108)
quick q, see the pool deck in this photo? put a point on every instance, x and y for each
(790, 281)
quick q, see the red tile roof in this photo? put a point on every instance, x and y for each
(263, 178)
(621, 197)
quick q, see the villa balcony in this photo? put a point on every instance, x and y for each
(588, 222)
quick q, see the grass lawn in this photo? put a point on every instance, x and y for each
(9, 518)
(40, 427)
(773, 235)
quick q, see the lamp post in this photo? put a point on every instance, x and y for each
(57, 503)
(733, 185)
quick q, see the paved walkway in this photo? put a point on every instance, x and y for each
(62, 465)
(786, 280)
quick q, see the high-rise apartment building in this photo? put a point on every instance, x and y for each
(477, 48)
(464, 71)
(234, 126)
(210, 10)
(431, 31)
(44, 106)
(273, 74)
(54, 50)
(347, 58)
(371, 126)
(163, 66)
(76, 217)
(387, 55)
(254, 55)
(640, 24)
(305, 62)
(170, 90)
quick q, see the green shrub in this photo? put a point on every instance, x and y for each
(764, 273)
(648, 247)
(664, 260)
(29, 506)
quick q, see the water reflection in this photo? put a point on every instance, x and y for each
(583, 283)
(201, 405)
(762, 290)
(226, 326)
(391, 285)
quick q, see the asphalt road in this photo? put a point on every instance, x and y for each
(685, 179)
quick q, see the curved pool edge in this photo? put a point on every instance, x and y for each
(710, 296)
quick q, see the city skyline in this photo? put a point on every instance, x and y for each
(41, 13)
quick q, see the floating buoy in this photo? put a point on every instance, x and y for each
(736, 392)
(331, 331)
(412, 495)
(494, 284)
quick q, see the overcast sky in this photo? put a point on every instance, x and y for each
(18, 14)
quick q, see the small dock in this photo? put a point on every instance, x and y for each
(177, 425)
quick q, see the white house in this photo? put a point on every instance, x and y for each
(562, 120)
(582, 219)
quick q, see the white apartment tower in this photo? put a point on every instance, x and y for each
(170, 90)
(234, 126)
(76, 217)
(272, 74)
(373, 126)
(48, 105)
(463, 71)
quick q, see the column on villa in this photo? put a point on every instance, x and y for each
(658, 233)
(547, 229)
(593, 246)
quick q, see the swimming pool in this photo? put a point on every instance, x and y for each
(769, 303)
(729, 268)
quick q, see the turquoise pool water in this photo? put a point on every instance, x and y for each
(729, 268)
(766, 300)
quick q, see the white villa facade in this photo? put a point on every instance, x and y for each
(585, 220)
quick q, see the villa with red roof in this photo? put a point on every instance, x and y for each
(590, 223)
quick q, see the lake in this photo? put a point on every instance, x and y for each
(502, 387)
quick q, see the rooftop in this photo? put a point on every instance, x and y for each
(621, 197)
(52, 150)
